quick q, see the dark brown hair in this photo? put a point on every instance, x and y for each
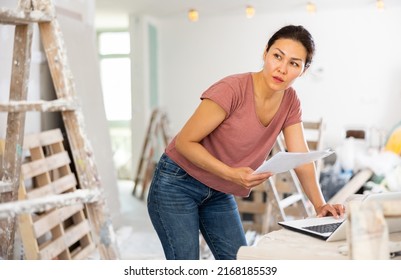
(296, 33)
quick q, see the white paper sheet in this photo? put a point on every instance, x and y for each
(284, 161)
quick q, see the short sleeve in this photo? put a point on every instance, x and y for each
(223, 94)
(295, 111)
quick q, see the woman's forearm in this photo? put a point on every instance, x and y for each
(198, 155)
(309, 181)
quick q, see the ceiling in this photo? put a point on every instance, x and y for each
(167, 8)
(173, 8)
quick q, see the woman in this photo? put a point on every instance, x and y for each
(230, 134)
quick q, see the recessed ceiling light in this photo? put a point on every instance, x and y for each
(380, 4)
(193, 15)
(249, 11)
(311, 8)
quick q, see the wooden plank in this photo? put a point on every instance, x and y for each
(144, 152)
(54, 248)
(44, 138)
(255, 208)
(31, 248)
(57, 186)
(5, 187)
(48, 221)
(352, 186)
(57, 105)
(15, 132)
(55, 148)
(76, 232)
(81, 253)
(312, 145)
(284, 183)
(312, 125)
(18, 17)
(11, 209)
(34, 168)
(251, 208)
(286, 202)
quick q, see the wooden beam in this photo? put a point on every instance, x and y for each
(12, 209)
(5, 187)
(15, 132)
(18, 17)
(352, 186)
(39, 106)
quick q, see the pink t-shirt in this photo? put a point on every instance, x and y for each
(241, 139)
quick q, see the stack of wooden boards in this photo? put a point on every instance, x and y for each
(62, 232)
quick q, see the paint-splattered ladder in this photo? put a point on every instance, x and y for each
(42, 12)
(156, 140)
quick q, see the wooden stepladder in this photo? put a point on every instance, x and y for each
(286, 197)
(156, 139)
(42, 12)
(281, 197)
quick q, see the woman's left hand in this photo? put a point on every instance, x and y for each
(336, 210)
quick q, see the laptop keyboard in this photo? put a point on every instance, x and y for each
(324, 228)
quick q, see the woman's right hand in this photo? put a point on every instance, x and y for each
(244, 177)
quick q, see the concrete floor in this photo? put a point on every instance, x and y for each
(137, 240)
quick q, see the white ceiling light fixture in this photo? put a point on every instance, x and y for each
(380, 4)
(193, 15)
(249, 11)
(311, 8)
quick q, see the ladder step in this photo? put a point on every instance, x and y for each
(290, 200)
(5, 187)
(15, 17)
(11, 209)
(57, 105)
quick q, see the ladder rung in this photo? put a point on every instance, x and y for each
(284, 203)
(11, 209)
(15, 17)
(56, 105)
(5, 187)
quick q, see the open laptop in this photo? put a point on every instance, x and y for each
(332, 229)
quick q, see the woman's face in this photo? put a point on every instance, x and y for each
(284, 62)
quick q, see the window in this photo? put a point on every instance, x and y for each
(115, 72)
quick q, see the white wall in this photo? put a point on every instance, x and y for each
(355, 80)
(141, 83)
(139, 86)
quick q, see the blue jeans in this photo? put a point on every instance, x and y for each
(179, 206)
